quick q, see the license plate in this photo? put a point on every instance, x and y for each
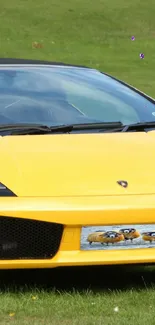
(118, 237)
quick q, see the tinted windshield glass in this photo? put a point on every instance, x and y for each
(64, 95)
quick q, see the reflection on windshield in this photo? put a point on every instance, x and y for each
(61, 95)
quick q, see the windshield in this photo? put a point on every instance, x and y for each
(68, 95)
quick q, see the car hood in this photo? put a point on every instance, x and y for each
(78, 164)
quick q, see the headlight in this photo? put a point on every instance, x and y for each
(4, 191)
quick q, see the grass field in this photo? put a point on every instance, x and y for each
(96, 34)
(89, 296)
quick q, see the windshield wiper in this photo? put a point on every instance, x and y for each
(97, 126)
(137, 127)
(28, 128)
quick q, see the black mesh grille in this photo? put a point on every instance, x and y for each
(28, 239)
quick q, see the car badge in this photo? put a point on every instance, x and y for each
(123, 183)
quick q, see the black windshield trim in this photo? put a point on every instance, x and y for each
(38, 62)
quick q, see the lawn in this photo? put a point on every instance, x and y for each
(96, 34)
(88, 296)
(88, 32)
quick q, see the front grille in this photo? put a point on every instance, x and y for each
(28, 239)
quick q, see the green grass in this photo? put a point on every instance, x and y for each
(76, 309)
(96, 34)
(90, 296)
(89, 32)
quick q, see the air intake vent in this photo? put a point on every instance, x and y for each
(28, 239)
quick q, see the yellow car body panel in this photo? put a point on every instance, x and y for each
(72, 179)
(78, 165)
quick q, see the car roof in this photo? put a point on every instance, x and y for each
(17, 61)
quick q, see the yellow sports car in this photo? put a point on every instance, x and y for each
(77, 167)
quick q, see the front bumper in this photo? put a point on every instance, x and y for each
(76, 212)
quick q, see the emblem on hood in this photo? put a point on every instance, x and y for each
(123, 183)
